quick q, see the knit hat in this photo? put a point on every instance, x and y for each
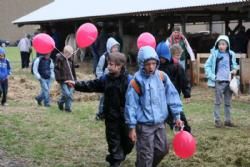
(2, 51)
(163, 51)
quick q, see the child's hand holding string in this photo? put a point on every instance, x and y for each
(179, 123)
(233, 72)
(187, 100)
(70, 83)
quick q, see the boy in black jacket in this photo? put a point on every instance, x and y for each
(114, 86)
(176, 73)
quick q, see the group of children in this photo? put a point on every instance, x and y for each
(137, 107)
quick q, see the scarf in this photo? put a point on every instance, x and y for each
(176, 40)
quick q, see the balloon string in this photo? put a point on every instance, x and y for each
(59, 51)
(75, 51)
(71, 54)
(175, 129)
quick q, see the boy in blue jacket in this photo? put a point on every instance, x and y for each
(5, 71)
(219, 67)
(146, 112)
(43, 69)
(176, 74)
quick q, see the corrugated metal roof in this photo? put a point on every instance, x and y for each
(73, 9)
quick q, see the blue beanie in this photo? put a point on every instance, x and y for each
(2, 51)
(163, 51)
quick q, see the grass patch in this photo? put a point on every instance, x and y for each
(48, 137)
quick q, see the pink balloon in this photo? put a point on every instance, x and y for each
(184, 144)
(43, 43)
(146, 39)
(86, 35)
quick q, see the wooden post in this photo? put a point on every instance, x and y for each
(198, 69)
(244, 75)
(120, 27)
(171, 26)
(152, 23)
(227, 28)
(183, 23)
(120, 24)
(210, 25)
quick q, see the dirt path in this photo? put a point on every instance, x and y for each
(6, 161)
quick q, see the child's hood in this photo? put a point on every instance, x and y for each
(110, 43)
(2, 51)
(163, 51)
(222, 37)
(146, 53)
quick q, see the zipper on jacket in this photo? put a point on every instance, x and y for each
(151, 103)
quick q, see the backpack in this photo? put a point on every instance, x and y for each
(136, 85)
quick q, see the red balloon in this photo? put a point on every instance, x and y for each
(184, 144)
(43, 43)
(86, 35)
(146, 39)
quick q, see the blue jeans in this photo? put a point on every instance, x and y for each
(45, 91)
(67, 95)
(3, 90)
